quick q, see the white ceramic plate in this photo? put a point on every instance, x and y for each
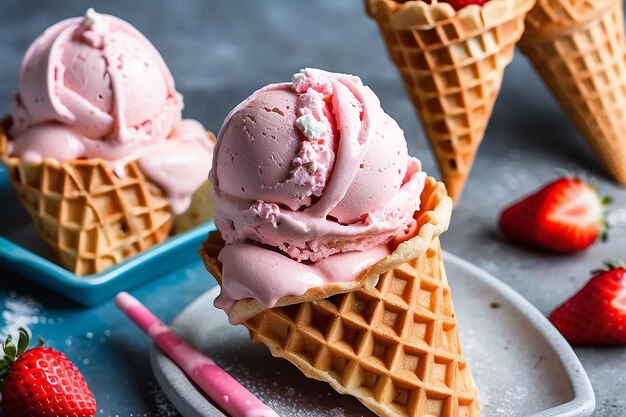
(522, 365)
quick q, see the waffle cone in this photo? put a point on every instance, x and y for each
(452, 64)
(394, 346)
(579, 49)
(89, 217)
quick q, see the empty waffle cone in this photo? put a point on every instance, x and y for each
(395, 346)
(579, 49)
(90, 218)
(452, 64)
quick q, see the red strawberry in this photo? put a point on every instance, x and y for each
(566, 215)
(596, 315)
(42, 382)
(458, 4)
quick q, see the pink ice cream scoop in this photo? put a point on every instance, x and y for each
(99, 76)
(94, 87)
(313, 168)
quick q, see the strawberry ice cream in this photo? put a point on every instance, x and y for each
(94, 87)
(306, 176)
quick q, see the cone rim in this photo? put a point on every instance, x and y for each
(433, 219)
(563, 24)
(421, 15)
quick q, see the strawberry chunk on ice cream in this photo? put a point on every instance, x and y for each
(290, 171)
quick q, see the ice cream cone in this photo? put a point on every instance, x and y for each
(579, 49)
(90, 218)
(394, 346)
(452, 64)
(432, 219)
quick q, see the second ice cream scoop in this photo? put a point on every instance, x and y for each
(99, 77)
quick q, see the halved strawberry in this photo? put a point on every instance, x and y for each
(596, 314)
(566, 215)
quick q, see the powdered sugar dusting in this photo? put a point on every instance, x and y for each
(20, 311)
(617, 218)
(337, 412)
(273, 386)
(285, 401)
(162, 406)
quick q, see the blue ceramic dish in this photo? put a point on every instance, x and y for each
(23, 252)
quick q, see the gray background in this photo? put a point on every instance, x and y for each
(220, 51)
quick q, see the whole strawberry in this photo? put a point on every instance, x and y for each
(566, 215)
(42, 382)
(596, 315)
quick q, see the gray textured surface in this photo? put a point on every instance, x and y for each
(219, 51)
